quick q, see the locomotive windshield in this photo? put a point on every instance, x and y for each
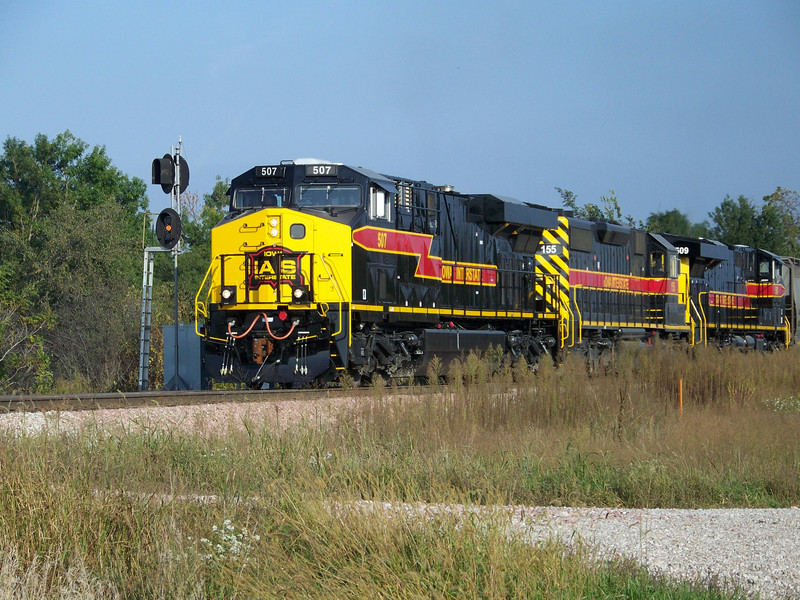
(325, 196)
(259, 197)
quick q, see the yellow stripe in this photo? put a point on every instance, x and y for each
(370, 307)
(511, 314)
(557, 262)
(562, 288)
(542, 262)
(557, 236)
(646, 324)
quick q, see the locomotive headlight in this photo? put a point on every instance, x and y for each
(300, 294)
(228, 294)
(274, 224)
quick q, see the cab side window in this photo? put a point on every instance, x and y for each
(765, 270)
(657, 264)
(674, 265)
(380, 204)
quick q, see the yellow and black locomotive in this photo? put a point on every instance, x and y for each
(320, 269)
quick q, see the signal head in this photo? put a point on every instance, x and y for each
(168, 228)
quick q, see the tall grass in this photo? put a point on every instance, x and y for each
(248, 511)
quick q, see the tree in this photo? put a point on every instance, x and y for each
(734, 221)
(24, 364)
(203, 217)
(770, 226)
(586, 211)
(34, 179)
(676, 222)
(785, 204)
(94, 293)
(70, 233)
(607, 210)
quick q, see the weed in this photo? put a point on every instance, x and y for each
(117, 507)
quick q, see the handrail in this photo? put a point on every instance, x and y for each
(245, 227)
(200, 308)
(338, 291)
(703, 317)
(579, 324)
(570, 324)
(688, 298)
(788, 331)
(703, 326)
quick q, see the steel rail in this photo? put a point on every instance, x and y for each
(69, 402)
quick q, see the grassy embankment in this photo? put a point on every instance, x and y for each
(97, 514)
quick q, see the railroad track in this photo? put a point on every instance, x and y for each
(65, 402)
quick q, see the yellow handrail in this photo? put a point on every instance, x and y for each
(570, 325)
(338, 291)
(199, 306)
(788, 331)
(579, 324)
(703, 318)
(703, 328)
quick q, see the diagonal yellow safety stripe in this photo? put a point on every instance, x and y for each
(556, 261)
(556, 236)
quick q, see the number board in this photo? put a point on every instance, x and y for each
(322, 170)
(550, 249)
(276, 172)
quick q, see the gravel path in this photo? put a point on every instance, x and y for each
(756, 549)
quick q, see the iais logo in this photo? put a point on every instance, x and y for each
(272, 266)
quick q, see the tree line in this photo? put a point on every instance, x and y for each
(773, 225)
(72, 232)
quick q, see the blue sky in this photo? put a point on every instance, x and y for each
(671, 104)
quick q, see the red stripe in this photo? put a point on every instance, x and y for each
(419, 245)
(728, 300)
(612, 281)
(387, 240)
(765, 289)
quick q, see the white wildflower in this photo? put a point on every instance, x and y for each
(226, 544)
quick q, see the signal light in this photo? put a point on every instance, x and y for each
(168, 228)
(164, 173)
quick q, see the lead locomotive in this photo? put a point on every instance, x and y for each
(320, 269)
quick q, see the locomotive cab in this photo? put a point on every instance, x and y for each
(737, 294)
(626, 282)
(277, 292)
